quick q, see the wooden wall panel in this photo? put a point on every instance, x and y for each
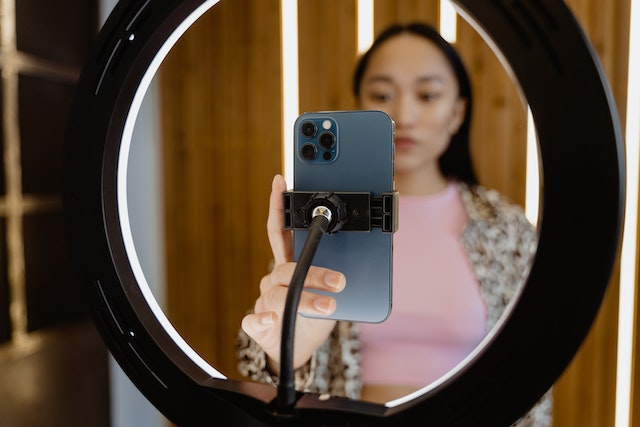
(222, 145)
(327, 51)
(388, 12)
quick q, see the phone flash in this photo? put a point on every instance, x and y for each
(326, 125)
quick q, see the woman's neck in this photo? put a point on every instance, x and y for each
(420, 183)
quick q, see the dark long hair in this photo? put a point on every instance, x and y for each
(455, 162)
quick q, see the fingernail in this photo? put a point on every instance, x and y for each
(278, 179)
(324, 305)
(334, 280)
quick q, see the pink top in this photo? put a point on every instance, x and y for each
(438, 314)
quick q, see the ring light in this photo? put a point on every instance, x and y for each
(582, 167)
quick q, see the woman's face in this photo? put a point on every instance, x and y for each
(410, 79)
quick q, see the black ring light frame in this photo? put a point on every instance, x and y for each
(582, 164)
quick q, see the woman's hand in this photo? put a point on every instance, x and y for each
(265, 324)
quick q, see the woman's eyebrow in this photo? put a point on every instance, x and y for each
(431, 78)
(422, 79)
(379, 78)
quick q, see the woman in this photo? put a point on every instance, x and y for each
(459, 255)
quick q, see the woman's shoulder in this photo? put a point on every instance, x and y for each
(486, 204)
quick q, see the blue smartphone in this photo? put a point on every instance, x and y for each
(350, 151)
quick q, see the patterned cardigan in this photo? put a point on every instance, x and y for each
(499, 241)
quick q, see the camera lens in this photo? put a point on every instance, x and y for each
(308, 129)
(308, 151)
(327, 140)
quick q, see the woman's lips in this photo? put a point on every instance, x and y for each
(404, 143)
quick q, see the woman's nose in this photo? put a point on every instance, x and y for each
(404, 112)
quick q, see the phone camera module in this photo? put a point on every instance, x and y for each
(308, 129)
(308, 151)
(327, 140)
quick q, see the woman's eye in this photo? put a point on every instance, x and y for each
(428, 96)
(380, 97)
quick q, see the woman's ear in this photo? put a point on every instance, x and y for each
(459, 111)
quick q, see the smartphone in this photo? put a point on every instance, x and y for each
(349, 151)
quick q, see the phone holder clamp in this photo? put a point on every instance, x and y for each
(350, 211)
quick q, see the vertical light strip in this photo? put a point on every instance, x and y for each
(365, 25)
(628, 272)
(448, 21)
(13, 172)
(532, 192)
(290, 81)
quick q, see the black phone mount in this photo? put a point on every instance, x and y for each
(321, 213)
(350, 211)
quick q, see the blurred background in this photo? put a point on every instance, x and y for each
(228, 69)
